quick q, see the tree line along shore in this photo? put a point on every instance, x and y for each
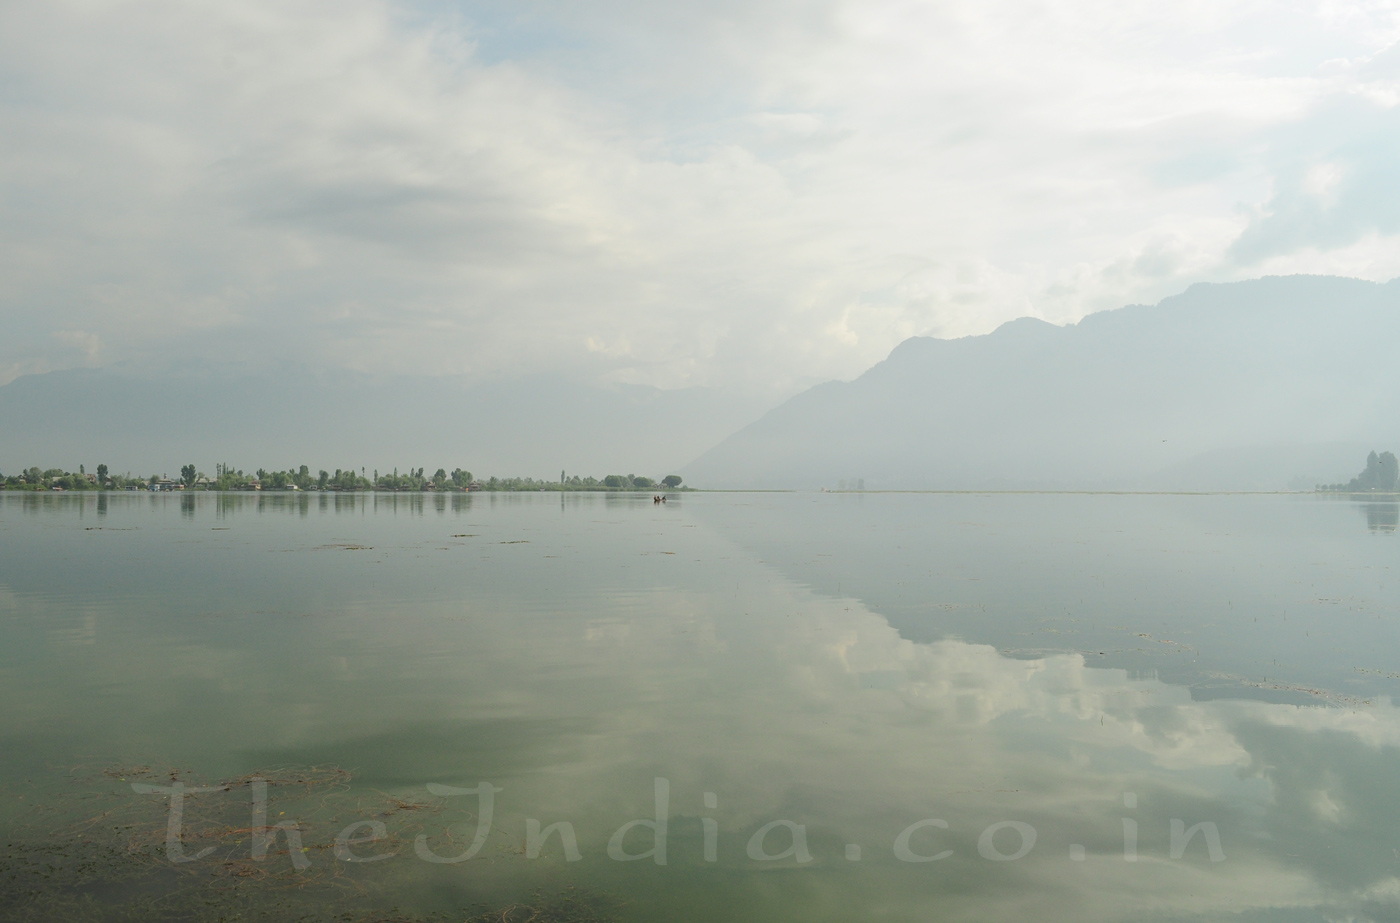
(1382, 475)
(228, 478)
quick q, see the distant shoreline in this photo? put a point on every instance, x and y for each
(290, 491)
(639, 491)
(227, 479)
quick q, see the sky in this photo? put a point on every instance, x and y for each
(755, 195)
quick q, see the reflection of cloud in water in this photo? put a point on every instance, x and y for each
(818, 712)
(973, 738)
(721, 676)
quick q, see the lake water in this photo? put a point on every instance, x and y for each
(818, 707)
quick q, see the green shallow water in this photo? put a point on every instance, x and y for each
(1003, 674)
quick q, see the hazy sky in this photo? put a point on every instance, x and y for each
(759, 194)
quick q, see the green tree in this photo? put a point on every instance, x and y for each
(321, 478)
(1387, 472)
(188, 474)
(101, 475)
(671, 481)
(1382, 473)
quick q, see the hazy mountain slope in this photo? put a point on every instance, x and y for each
(1240, 386)
(149, 421)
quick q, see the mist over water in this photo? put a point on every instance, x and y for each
(819, 682)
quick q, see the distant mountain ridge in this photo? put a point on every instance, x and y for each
(1253, 385)
(155, 420)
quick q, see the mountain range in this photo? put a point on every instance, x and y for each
(1261, 385)
(153, 420)
(1275, 383)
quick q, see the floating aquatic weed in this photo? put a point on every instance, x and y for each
(100, 854)
(568, 905)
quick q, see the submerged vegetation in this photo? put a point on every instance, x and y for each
(1382, 475)
(102, 856)
(226, 477)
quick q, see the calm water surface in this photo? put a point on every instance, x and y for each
(822, 707)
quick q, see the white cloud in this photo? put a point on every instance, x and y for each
(754, 194)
